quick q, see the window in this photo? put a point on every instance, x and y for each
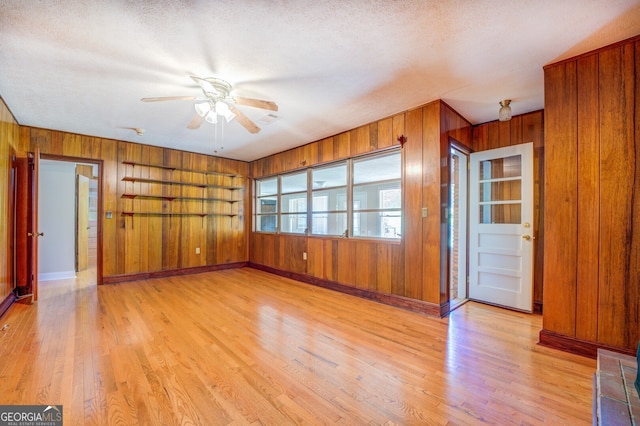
(293, 203)
(377, 197)
(266, 209)
(329, 200)
(353, 198)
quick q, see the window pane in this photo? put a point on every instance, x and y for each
(501, 167)
(267, 205)
(377, 224)
(500, 213)
(267, 186)
(320, 203)
(294, 183)
(267, 223)
(500, 191)
(294, 223)
(328, 223)
(328, 177)
(293, 203)
(377, 196)
(386, 167)
(336, 199)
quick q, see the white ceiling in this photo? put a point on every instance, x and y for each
(82, 66)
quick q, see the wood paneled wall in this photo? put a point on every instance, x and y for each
(410, 268)
(522, 129)
(9, 136)
(135, 246)
(592, 200)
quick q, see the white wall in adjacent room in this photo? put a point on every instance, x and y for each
(56, 218)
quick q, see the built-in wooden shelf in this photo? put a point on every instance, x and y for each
(131, 214)
(178, 182)
(179, 198)
(181, 169)
(206, 210)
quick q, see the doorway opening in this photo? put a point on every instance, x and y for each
(68, 215)
(458, 187)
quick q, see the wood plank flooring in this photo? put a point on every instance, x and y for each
(246, 347)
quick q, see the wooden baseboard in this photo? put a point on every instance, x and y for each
(6, 303)
(388, 299)
(537, 307)
(113, 279)
(577, 346)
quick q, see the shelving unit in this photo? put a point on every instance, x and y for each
(180, 169)
(206, 201)
(127, 213)
(172, 198)
(177, 182)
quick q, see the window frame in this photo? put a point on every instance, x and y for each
(350, 210)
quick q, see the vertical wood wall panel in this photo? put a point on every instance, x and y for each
(412, 199)
(410, 268)
(359, 140)
(533, 129)
(588, 199)
(9, 140)
(385, 133)
(560, 261)
(431, 198)
(632, 288)
(141, 244)
(592, 284)
(617, 158)
(325, 150)
(109, 154)
(155, 246)
(342, 145)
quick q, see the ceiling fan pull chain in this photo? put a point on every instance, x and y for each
(222, 136)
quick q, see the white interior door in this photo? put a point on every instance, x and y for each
(82, 222)
(501, 227)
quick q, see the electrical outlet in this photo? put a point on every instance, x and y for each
(197, 250)
(425, 212)
(304, 255)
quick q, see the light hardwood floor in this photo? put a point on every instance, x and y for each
(246, 347)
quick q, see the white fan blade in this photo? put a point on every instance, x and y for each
(258, 103)
(244, 120)
(195, 122)
(170, 98)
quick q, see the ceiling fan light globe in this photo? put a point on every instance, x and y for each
(203, 108)
(211, 117)
(223, 109)
(229, 116)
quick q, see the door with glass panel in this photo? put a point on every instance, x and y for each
(458, 227)
(501, 227)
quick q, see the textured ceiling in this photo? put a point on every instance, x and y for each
(82, 66)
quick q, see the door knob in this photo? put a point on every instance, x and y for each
(526, 237)
(37, 234)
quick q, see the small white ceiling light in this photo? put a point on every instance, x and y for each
(223, 110)
(203, 108)
(210, 111)
(505, 110)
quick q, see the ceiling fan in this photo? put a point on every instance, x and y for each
(217, 102)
